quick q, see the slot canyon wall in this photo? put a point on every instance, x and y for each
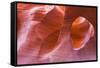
(53, 33)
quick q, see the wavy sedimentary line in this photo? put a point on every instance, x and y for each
(49, 45)
(31, 21)
(81, 32)
(51, 22)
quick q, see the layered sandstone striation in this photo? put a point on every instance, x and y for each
(51, 33)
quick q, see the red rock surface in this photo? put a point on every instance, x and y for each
(45, 33)
(81, 32)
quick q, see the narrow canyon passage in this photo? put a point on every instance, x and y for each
(45, 34)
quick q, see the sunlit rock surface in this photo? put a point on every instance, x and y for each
(51, 33)
(81, 32)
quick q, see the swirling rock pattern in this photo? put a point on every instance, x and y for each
(81, 32)
(51, 33)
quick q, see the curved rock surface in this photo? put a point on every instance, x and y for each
(51, 33)
(81, 32)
